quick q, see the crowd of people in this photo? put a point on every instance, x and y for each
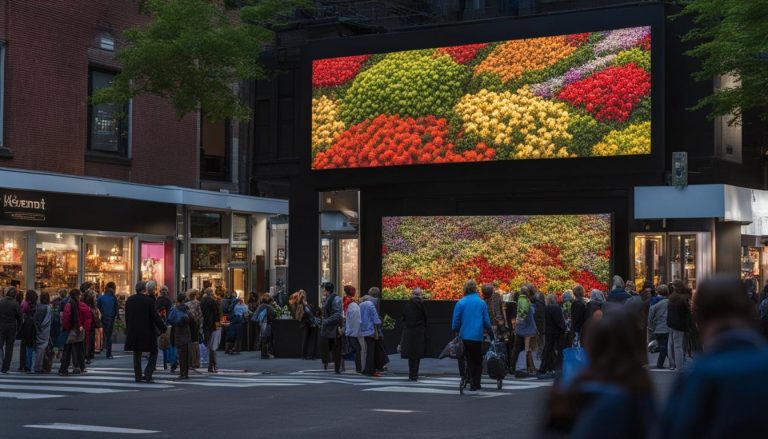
(715, 337)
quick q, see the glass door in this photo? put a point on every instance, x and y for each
(350, 263)
(649, 259)
(682, 257)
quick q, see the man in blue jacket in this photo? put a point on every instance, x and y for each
(107, 304)
(723, 393)
(470, 322)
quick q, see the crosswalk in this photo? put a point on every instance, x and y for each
(120, 380)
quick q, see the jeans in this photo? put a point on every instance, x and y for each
(662, 339)
(30, 358)
(108, 323)
(149, 370)
(308, 342)
(678, 350)
(370, 356)
(473, 354)
(334, 348)
(7, 338)
(413, 368)
(73, 352)
(183, 353)
(210, 348)
(552, 358)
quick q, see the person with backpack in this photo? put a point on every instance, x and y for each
(107, 304)
(237, 319)
(183, 327)
(264, 316)
(42, 318)
(28, 331)
(525, 331)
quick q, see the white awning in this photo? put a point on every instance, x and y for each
(61, 183)
(729, 203)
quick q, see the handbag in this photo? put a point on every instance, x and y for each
(75, 336)
(454, 349)
(574, 361)
(164, 340)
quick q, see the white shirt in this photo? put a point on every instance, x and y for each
(353, 321)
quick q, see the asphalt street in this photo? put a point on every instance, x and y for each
(270, 399)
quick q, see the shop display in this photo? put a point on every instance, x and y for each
(12, 259)
(562, 96)
(56, 261)
(208, 266)
(108, 259)
(152, 258)
(440, 253)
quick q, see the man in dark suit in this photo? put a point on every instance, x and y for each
(142, 326)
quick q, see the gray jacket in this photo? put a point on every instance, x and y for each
(332, 318)
(657, 318)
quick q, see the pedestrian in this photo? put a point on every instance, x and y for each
(525, 331)
(618, 295)
(163, 302)
(470, 322)
(93, 334)
(237, 326)
(265, 315)
(413, 343)
(538, 317)
(679, 322)
(43, 316)
(370, 327)
(75, 321)
(657, 324)
(578, 312)
(495, 306)
(723, 393)
(594, 310)
(308, 325)
(142, 325)
(349, 297)
(613, 396)
(28, 331)
(211, 313)
(629, 287)
(183, 327)
(331, 325)
(57, 307)
(10, 321)
(107, 304)
(197, 316)
(763, 312)
(554, 327)
(355, 339)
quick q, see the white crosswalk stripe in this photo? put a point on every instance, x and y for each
(114, 380)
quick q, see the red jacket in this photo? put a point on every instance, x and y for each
(84, 316)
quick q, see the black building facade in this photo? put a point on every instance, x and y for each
(656, 248)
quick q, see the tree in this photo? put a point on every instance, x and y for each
(195, 52)
(732, 39)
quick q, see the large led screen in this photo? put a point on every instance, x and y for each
(440, 253)
(578, 95)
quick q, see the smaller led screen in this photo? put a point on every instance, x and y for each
(439, 253)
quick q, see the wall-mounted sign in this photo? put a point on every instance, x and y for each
(23, 206)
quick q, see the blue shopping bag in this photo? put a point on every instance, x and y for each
(574, 361)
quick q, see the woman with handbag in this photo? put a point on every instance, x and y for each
(73, 323)
(525, 331)
(308, 324)
(264, 316)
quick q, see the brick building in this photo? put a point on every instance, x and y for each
(87, 196)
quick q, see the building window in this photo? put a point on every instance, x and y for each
(2, 95)
(214, 149)
(108, 123)
(727, 136)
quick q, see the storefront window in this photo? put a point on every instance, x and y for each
(12, 245)
(682, 254)
(649, 259)
(325, 260)
(750, 264)
(207, 263)
(56, 261)
(278, 242)
(108, 259)
(152, 259)
(206, 225)
(240, 228)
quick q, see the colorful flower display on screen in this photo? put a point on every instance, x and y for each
(563, 96)
(439, 253)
